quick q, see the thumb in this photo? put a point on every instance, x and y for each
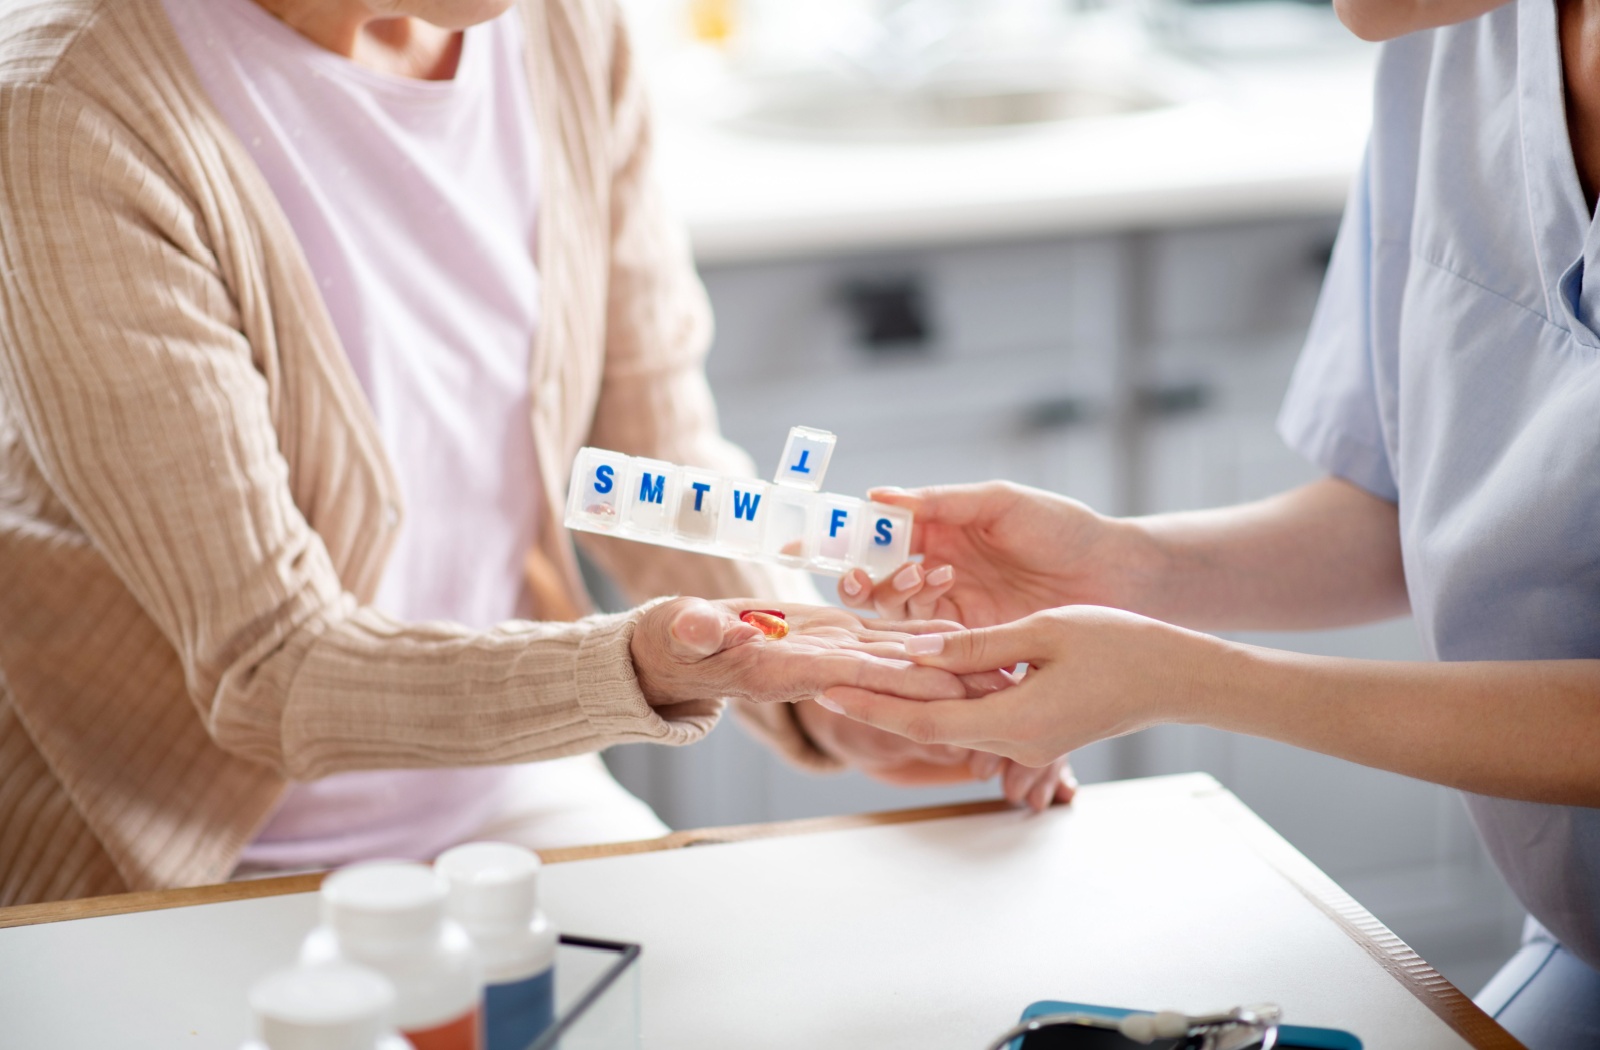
(946, 504)
(984, 649)
(699, 629)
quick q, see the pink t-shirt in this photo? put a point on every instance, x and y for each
(415, 203)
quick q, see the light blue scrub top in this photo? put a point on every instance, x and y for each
(1453, 367)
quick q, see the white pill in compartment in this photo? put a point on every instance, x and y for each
(787, 535)
(699, 506)
(598, 484)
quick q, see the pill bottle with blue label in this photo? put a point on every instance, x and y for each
(494, 895)
(390, 917)
(329, 1006)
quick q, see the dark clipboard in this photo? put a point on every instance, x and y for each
(1290, 1036)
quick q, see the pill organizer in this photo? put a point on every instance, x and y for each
(787, 521)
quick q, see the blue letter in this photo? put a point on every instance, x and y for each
(649, 494)
(883, 537)
(700, 490)
(745, 508)
(800, 467)
(836, 523)
(602, 477)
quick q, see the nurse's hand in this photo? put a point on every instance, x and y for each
(694, 652)
(996, 552)
(892, 758)
(1093, 673)
(1387, 19)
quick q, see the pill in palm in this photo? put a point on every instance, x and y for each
(769, 621)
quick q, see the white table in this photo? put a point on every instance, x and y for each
(921, 929)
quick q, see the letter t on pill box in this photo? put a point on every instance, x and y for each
(805, 458)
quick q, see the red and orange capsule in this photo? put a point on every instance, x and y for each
(769, 622)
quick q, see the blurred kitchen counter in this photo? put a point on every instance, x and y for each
(1273, 139)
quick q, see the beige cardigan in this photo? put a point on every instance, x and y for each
(194, 504)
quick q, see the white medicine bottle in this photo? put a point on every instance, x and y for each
(390, 916)
(494, 895)
(331, 1006)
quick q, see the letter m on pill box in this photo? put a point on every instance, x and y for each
(788, 521)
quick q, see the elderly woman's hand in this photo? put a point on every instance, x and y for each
(692, 650)
(690, 653)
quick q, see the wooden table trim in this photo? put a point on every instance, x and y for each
(156, 900)
(1397, 958)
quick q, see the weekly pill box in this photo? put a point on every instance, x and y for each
(785, 522)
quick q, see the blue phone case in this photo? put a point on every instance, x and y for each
(1290, 1036)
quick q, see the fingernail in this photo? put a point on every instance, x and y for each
(907, 578)
(988, 766)
(925, 644)
(851, 585)
(830, 705)
(942, 575)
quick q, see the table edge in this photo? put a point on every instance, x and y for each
(157, 900)
(1397, 958)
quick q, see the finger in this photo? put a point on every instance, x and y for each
(1044, 788)
(941, 754)
(855, 589)
(924, 721)
(936, 583)
(984, 765)
(788, 674)
(899, 679)
(892, 596)
(985, 682)
(917, 626)
(1015, 781)
(1066, 785)
(944, 504)
(985, 648)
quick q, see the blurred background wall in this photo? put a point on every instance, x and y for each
(1074, 244)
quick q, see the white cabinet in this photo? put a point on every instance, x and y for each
(1138, 372)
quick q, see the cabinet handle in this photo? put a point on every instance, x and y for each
(1058, 413)
(1164, 401)
(890, 314)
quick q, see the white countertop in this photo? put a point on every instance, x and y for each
(1273, 138)
(1149, 894)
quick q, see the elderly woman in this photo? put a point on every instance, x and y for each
(1450, 388)
(307, 306)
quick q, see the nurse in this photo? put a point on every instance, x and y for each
(1450, 388)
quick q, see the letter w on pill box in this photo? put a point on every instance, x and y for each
(789, 521)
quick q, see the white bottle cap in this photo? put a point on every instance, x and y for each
(493, 886)
(330, 1006)
(384, 901)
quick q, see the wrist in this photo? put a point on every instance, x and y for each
(1138, 563)
(1234, 686)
